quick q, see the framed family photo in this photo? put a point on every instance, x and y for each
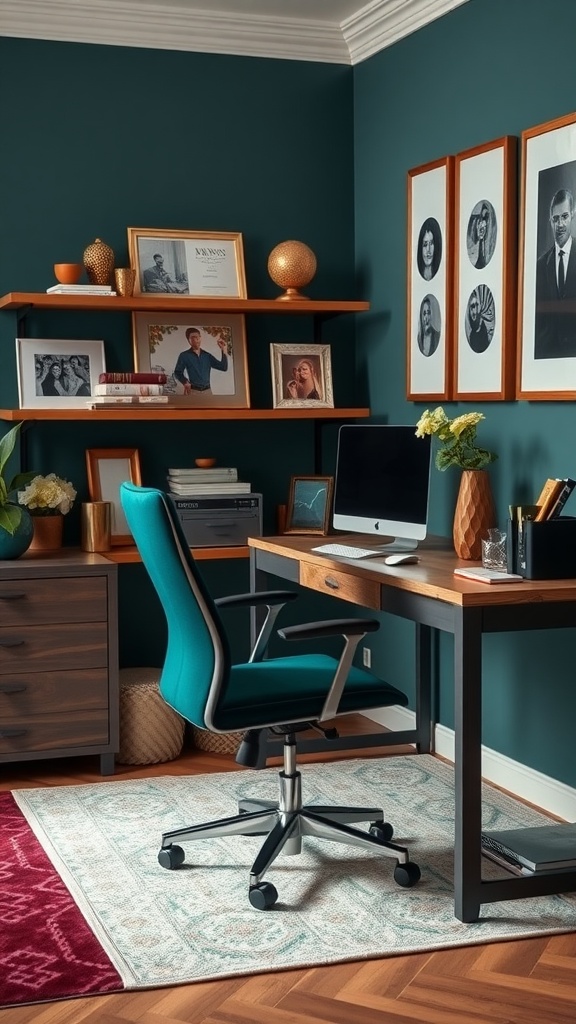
(200, 264)
(309, 504)
(203, 356)
(429, 276)
(56, 374)
(107, 468)
(485, 259)
(547, 300)
(301, 376)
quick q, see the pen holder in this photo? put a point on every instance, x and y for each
(543, 551)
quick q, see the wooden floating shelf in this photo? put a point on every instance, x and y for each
(163, 304)
(199, 415)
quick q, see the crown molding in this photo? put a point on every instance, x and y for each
(168, 27)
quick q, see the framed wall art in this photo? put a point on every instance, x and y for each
(301, 376)
(547, 300)
(57, 374)
(485, 258)
(429, 273)
(309, 504)
(203, 356)
(205, 264)
(107, 468)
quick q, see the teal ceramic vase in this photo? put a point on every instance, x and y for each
(14, 545)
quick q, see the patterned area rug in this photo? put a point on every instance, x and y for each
(335, 903)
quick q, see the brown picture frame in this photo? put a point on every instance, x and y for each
(309, 505)
(107, 468)
(187, 264)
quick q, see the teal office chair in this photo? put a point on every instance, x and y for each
(283, 695)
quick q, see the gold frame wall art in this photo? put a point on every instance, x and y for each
(301, 376)
(200, 264)
(309, 505)
(485, 258)
(107, 468)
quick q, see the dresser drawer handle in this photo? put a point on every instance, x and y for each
(332, 583)
(6, 734)
(11, 643)
(12, 595)
(13, 688)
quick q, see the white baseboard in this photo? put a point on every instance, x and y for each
(526, 783)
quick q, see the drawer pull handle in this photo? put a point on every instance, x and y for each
(11, 643)
(6, 734)
(332, 583)
(13, 688)
(12, 595)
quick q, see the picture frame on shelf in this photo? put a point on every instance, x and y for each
(203, 355)
(309, 505)
(429, 277)
(57, 374)
(546, 366)
(485, 257)
(107, 468)
(301, 376)
(201, 264)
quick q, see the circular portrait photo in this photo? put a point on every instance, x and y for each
(479, 318)
(429, 325)
(481, 234)
(429, 250)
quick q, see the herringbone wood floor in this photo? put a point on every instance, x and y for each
(532, 981)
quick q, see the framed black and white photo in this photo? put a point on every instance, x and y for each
(107, 468)
(301, 376)
(202, 354)
(56, 374)
(309, 504)
(485, 259)
(429, 273)
(187, 263)
(547, 299)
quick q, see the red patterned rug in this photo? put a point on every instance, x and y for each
(47, 950)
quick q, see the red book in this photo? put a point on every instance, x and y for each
(132, 378)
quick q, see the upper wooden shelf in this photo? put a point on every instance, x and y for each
(166, 413)
(167, 303)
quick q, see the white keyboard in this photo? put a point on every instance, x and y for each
(346, 551)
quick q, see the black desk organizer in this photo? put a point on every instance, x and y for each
(543, 551)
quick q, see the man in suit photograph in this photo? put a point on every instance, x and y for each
(555, 327)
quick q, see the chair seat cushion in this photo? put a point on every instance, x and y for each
(285, 690)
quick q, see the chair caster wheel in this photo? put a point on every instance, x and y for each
(263, 896)
(171, 857)
(407, 875)
(382, 830)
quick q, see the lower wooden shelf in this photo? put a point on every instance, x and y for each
(178, 413)
(130, 553)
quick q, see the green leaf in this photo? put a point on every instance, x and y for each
(7, 446)
(10, 518)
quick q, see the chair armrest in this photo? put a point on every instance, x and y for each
(269, 597)
(330, 627)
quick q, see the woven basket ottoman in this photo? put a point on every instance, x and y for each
(216, 742)
(150, 731)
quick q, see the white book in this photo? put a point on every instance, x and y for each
(129, 390)
(97, 401)
(227, 473)
(204, 476)
(81, 289)
(188, 490)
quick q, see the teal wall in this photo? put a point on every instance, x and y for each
(485, 70)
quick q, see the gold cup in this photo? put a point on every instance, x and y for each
(124, 280)
(95, 521)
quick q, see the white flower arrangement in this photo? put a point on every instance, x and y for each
(48, 496)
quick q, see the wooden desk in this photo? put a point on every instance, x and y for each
(429, 595)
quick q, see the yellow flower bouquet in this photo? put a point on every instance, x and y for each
(457, 437)
(48, 496)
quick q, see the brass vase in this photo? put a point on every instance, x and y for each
(474, 514)
(99, 262)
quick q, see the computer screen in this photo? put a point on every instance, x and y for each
(382, 483)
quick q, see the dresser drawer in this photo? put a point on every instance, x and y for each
(340, 584)
(39, 693)
(71, 599)
(50, 732)
(49, 648)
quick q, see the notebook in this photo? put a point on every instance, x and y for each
(543, 848)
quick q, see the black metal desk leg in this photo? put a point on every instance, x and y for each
(424, 740)
(258, 581)
(468, 763)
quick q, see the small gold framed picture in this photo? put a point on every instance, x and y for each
(309, 504)
(301, 376)
(191, 264)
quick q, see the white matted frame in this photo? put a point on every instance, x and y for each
(547, 313)
(301, 376)
(309, 504)
(485, 259)
(429, 273)
(107, 468)
(56, 374)
(163, 343)
(204, 264)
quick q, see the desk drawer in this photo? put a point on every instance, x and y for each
(52, 732)
(39, 693)
(37, 602)
(340, 584)
(53, 648)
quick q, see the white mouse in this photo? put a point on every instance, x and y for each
(401, 559)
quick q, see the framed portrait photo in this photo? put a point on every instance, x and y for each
(107, 468)
(429, 274)
(485, 258)
(547, 295)
(203, 356)
(301, 376)
(56, 374)
(202, 264)
(309, 504)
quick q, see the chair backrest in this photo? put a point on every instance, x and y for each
(197, 663)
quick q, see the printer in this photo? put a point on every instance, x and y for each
(219, 520)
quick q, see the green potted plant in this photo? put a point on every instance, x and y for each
(16, 526)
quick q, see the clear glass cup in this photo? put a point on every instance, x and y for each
(494, 555)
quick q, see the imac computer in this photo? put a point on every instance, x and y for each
(382, 483)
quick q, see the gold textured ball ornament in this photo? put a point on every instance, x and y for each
(292, 266)
(99, 262)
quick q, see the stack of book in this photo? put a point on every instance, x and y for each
(80, 289)
(553, 498)
(221, 480)
(114, 389)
